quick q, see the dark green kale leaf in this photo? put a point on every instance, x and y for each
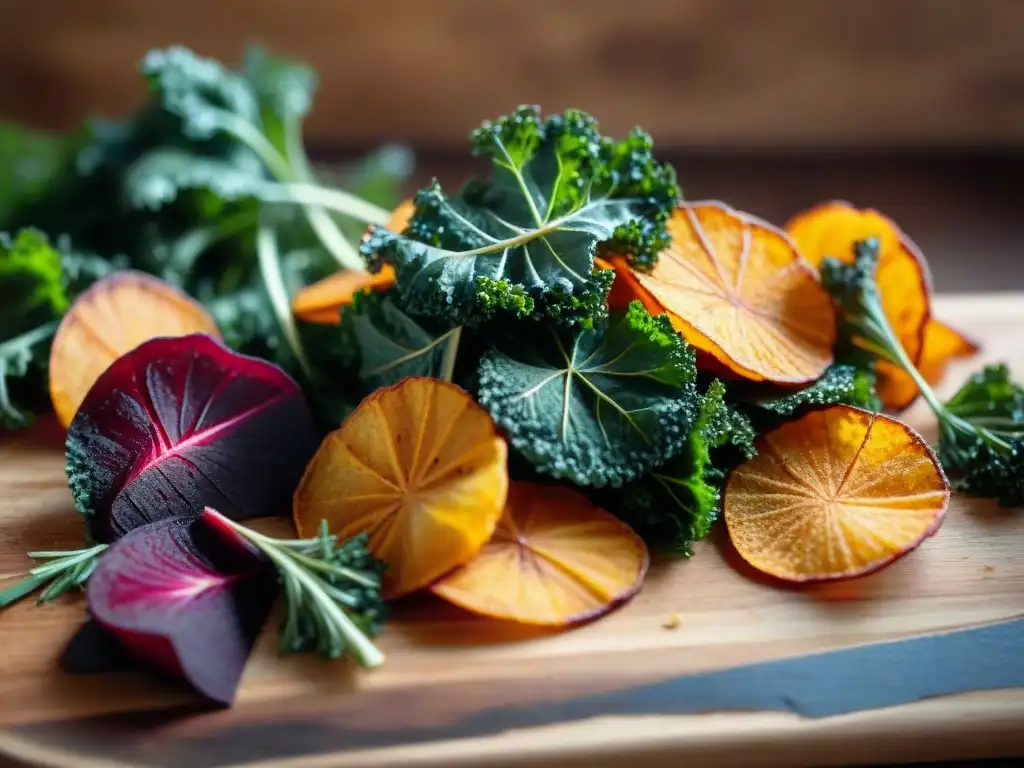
(597, 407)
(524, 239)
(387, 345)
(990, 398)
(840, 383)
(992, 401)
(676, 504)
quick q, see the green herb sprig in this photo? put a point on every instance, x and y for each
(61, 572)
(332, 592)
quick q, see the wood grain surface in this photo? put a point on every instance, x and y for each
(707, 73)
(444, 696)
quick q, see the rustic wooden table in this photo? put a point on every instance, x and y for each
(462, 690)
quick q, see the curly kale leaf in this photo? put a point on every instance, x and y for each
(205, 95)
(986, 471)
(990, 398)
(523, 240)
(31, 288)
(676, 504)
(598, 407)
(992, 403)
(841, 383)
(32, 300)
(387, 345)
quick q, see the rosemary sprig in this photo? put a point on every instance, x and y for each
(332, 592)
(61, 572)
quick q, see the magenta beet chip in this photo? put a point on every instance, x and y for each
(180, 598)
(180, 424)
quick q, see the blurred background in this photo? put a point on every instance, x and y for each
(914, 107)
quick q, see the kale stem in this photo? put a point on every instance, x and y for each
(299, 170)
(250, 135)
(280, 168)
(881, 339)
(270, 267)
(306, 194)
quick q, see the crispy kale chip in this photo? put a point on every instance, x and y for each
(32, 300)
(981, 443)
(387, 345)
(992, 401)
(597, 407)
(523, 240)
(841, 383)
(676, 504)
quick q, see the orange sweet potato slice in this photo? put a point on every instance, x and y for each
(835, 494)
(421, 468)
(555, 559)
(831, 229)
(111, 318)
(736, 289)
(322, 301)
(942, 344)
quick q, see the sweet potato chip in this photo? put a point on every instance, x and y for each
(322, 301)
(835, 494)
(736, 289)
(942, 345)
(831, 229)
(421, 468)
(554, 560)
(114, 316)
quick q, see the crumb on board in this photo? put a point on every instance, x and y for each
(672, 621)
(989, 568)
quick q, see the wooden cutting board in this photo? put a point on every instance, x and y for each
(445, 695)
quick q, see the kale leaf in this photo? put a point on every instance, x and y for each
(523, 240)
(387, 345)
(841, 383)
(32, 300)
(992, 401)
(676, 504)
(598, 406)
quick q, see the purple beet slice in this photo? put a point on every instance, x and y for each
(180, 424)
(183, 599)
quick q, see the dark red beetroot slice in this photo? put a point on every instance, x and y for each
(182, 599)
(180, 424)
